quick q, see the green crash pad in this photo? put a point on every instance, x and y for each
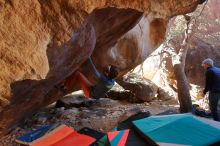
(181, 129)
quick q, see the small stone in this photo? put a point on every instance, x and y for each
(41, 120)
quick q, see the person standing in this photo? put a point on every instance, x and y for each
(212, 85)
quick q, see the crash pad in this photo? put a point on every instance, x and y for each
(118, 138)
(93, 133)
(63, 136)
(134, 139)
(27, 138)
(178, 129)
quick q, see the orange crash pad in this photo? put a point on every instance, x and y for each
(63, 136)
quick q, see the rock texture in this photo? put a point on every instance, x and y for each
(143, 90)
(38, 49)
(119, 93)
(199, 51)
(204, 43)
(137, 89)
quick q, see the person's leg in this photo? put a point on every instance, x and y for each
(85, 84)
(78, 77)
(213, 103)
(218, 106)
(70, 81)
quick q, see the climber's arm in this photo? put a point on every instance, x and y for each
(94, 70)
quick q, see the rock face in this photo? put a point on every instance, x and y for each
(204, 43)
(38, 49)
(195, 56)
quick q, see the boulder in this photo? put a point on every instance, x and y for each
(119, 93)
(71, 101)
(164, 95)
(143, 89)
(107, 103)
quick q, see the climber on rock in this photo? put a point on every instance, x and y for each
(104, 84)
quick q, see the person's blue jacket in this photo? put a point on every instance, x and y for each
(104, 84)
(212, 80)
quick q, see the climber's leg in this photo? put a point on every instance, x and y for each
(78, 77)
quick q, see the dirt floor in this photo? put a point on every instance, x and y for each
(102, 116)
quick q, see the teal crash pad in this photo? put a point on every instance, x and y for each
(178, 129)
